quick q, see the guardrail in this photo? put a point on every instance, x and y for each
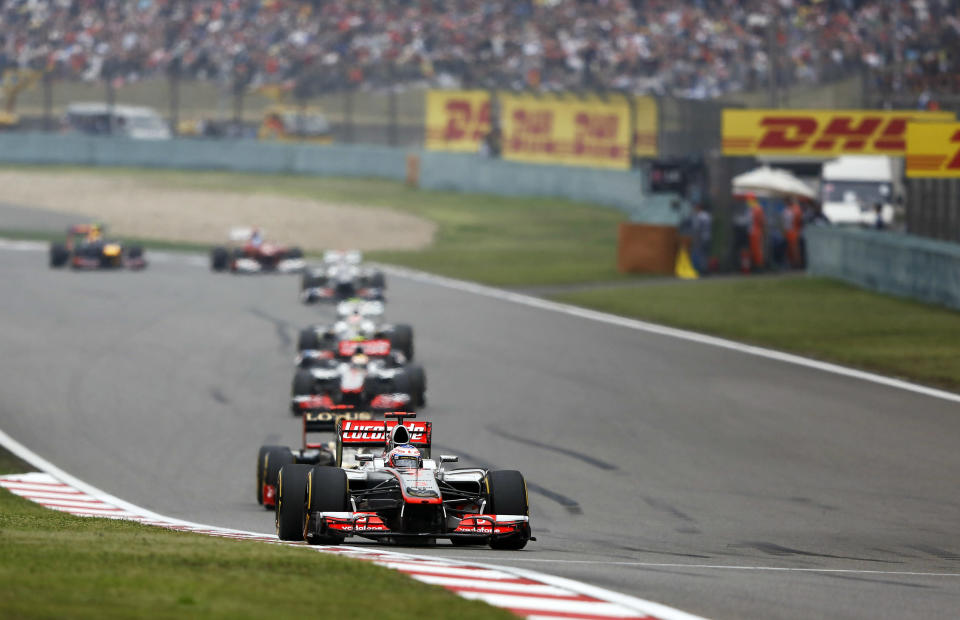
(886, 262)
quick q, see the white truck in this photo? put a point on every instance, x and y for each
(851, 187)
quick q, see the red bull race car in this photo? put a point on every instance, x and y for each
(86, 248)
(387, 487)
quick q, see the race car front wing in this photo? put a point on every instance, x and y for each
(370, 525)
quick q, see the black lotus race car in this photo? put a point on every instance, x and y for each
(85, 248)
(387, 487)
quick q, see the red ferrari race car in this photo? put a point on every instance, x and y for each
(249, 253)
(386, 487)
(86, 248)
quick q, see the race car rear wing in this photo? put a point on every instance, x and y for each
(373, 348)
(380, 434)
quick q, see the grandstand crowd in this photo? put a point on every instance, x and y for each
(691, 48)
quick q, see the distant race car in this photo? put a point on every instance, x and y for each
(249, 253)
(358, 320)
(341, 276)
(358, 373)
(86, 248)
(386, 487)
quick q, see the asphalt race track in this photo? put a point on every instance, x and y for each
(669, 470)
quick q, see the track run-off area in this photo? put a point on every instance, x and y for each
(716, 479)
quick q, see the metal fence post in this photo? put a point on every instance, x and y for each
(47, 101)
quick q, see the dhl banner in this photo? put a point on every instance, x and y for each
(933, 150)
(645, 127)
(571, 131)
(820, 133)
(457, 120)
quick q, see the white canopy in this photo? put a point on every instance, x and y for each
(769, 180)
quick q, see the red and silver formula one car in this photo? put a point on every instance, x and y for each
(387, 487)
(85, 248)
(249, 253)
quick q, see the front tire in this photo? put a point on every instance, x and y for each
(401, 339)
(303, 383)
(507, 495)
(262, 461)
(328, 491)
(59, 255)
(308, 340)
(274, 460)
(219, 259)
(292, 501)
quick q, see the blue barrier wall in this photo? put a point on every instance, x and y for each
(234, 155)
(886, 262)
(438, 170)
(484, 175)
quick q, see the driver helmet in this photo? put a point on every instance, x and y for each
(405, 456)
(359, 360)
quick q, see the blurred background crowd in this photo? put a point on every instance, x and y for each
(694, 49)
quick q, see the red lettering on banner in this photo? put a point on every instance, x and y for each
(787, 132)
(841, 128)
(462, 122)
(894, 135)
(954, 164)
(596, 135)
(532, 131)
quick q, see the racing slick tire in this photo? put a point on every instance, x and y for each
(308, 339)
(219, 259)
(418, 383)
(59, 255)
(327, 492)
(262, 468)
(303, 383)
(401, 338)
(273, 461)
(507, 495)
(309, 281)
(377, 280)
(292, 501)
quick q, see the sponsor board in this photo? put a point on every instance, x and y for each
(820, 133)
(457, 120)
(568, 131)
(933, 150)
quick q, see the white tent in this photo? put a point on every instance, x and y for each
(767, 180)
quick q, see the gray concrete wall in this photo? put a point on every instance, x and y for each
(886, 262)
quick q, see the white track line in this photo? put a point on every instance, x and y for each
(524, 592)
(653, 328)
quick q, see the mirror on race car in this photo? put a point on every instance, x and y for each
(364, 458)
(449, 458)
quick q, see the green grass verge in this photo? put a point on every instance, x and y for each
(814, 317)
(54, 565)
(491, 239)
(9, 464)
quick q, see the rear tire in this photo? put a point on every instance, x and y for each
(303, 383)
(328, 492)
(59, 255)
(292, 501)
(507, 496)
(401, 338)
(219, 259)
(377, 280)
(308, 339)
(273, 461)
(417, 379)
(262, 468)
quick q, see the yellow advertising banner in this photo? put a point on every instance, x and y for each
(567, 131)
(645, 127)
(933, 150)
(820, 133)
(457, 120)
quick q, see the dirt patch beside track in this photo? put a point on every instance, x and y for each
(140, 208)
